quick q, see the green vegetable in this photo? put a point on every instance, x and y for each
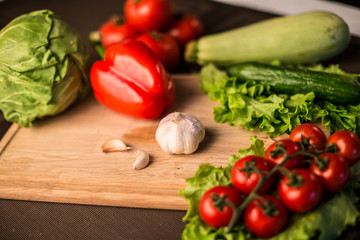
(253, 105)
(298, 39)
(43, 67)
(326, 222)
(332, 87)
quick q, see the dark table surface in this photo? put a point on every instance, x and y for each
(43, 220)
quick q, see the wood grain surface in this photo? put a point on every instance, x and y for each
(48, 220)
(59, 159)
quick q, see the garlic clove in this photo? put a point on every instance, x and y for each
(114, 145)
(180, 133)
(141, 161)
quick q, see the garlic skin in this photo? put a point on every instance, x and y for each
(180, 133)
(141, 161)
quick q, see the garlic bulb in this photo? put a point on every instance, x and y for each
(180, 133)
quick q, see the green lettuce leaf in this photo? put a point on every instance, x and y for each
(44, 67)
(253, 105)
(197, 229)
(326, 222)
(256, 148)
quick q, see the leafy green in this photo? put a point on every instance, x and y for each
(326, 222)
(256, 148)
(253, 105)
(43, 67)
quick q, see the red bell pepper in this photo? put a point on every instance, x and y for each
(132, 81)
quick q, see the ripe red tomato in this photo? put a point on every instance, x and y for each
(187, 28)
(164, 46)
(261, 224)
(149, 14)
(292, 148)
(213, 216)
(336, 174)
(303, 196)
(316, 136)
(348, 144)
(244, 183)
(116, 31)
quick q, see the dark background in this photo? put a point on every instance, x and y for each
(42, 220)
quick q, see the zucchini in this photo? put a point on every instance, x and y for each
(335, 88)
(305, 38)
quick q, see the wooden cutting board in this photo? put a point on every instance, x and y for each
(59, 159)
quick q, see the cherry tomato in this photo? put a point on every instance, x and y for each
(187, 28)
(303, 196)
(149, 14)
(164, 46)
(291, 148)
(335, 175)
(213, 216)
(317, 138)
(116, 31)
(261, 224)
(246, 184)
(348, 144)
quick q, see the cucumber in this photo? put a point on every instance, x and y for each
(335, 88)
(305, 38)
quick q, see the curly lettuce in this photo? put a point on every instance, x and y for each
(253, 105)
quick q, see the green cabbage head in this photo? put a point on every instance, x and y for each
(44, 67)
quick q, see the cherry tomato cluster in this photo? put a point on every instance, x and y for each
(299, 170)
(154, 23)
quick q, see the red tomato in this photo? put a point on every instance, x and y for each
(246, 184)
(305, 195)
(213, 216)
(187, 28)
(149, 14)
(116, 31)
(348, 144)
(335, 175)
(261, 224)
(292, 148)
(316, 136)
(164, 46)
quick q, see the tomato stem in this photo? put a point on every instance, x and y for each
(249, 168)
(220, 201)
(156, 35)
(117, 20)
(295, 180)
(268, 207)
(321, 162)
